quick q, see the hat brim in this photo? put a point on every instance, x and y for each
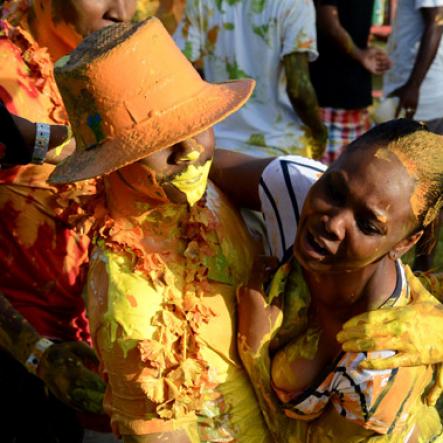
(213, 103)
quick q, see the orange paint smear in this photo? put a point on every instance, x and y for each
(423, 162)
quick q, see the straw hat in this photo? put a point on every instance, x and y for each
(129, 92)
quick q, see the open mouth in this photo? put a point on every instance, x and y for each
(316, 247)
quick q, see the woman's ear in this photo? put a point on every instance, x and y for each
(405, 245)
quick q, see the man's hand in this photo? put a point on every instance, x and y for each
(64, 370)
(414, 331)
(408, 95)
(374, 60)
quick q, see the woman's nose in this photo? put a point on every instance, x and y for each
(335, 225)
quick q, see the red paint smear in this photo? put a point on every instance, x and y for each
(132, 300)
(34, 279)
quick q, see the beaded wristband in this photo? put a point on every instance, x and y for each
(41, 145)
(35, 356)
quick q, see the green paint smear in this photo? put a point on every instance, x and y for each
(262, 31)
(219, 269)
(257, 140)
(219, 4)
(235, 72)
(187, 51)
(258, 6)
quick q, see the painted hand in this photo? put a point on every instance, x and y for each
(64, 369)
(414, 331)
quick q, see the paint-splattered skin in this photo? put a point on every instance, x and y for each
(330, 427)
(304, 100)
(60, 367)
(172, 320)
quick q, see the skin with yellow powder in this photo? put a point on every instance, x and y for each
(192, 182)
(161, 298)
(298, 365)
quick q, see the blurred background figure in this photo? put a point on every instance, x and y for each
(416, 78)
(342, 74)
(169, 12)
(271, 41)
(43, 255)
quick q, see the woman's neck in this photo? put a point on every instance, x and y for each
(349, 293)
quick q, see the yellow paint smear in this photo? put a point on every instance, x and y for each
(193, 181)
(422, 142)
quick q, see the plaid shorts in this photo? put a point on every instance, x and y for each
(344, 126)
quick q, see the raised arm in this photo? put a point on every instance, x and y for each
(302, 96)
(429, 44)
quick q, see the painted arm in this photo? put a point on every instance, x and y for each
(238, 176)
(373, 59)
(429, 44)
(257, 363)
(304, 101)
(61, 366)
(258, 323)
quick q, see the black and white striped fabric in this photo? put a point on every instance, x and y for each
(283, 188)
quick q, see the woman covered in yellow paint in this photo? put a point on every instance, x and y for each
(351, 224)
(171, 249)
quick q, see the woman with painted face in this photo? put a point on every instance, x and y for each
(43, 257)
(351, 224)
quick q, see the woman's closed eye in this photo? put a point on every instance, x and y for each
(368, 227)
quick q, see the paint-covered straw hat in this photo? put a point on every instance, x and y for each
(129, 92)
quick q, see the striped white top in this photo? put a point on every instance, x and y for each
(283, 188)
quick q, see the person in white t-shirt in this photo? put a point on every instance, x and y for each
(416, 50)
(271, 41)
(416, 78)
